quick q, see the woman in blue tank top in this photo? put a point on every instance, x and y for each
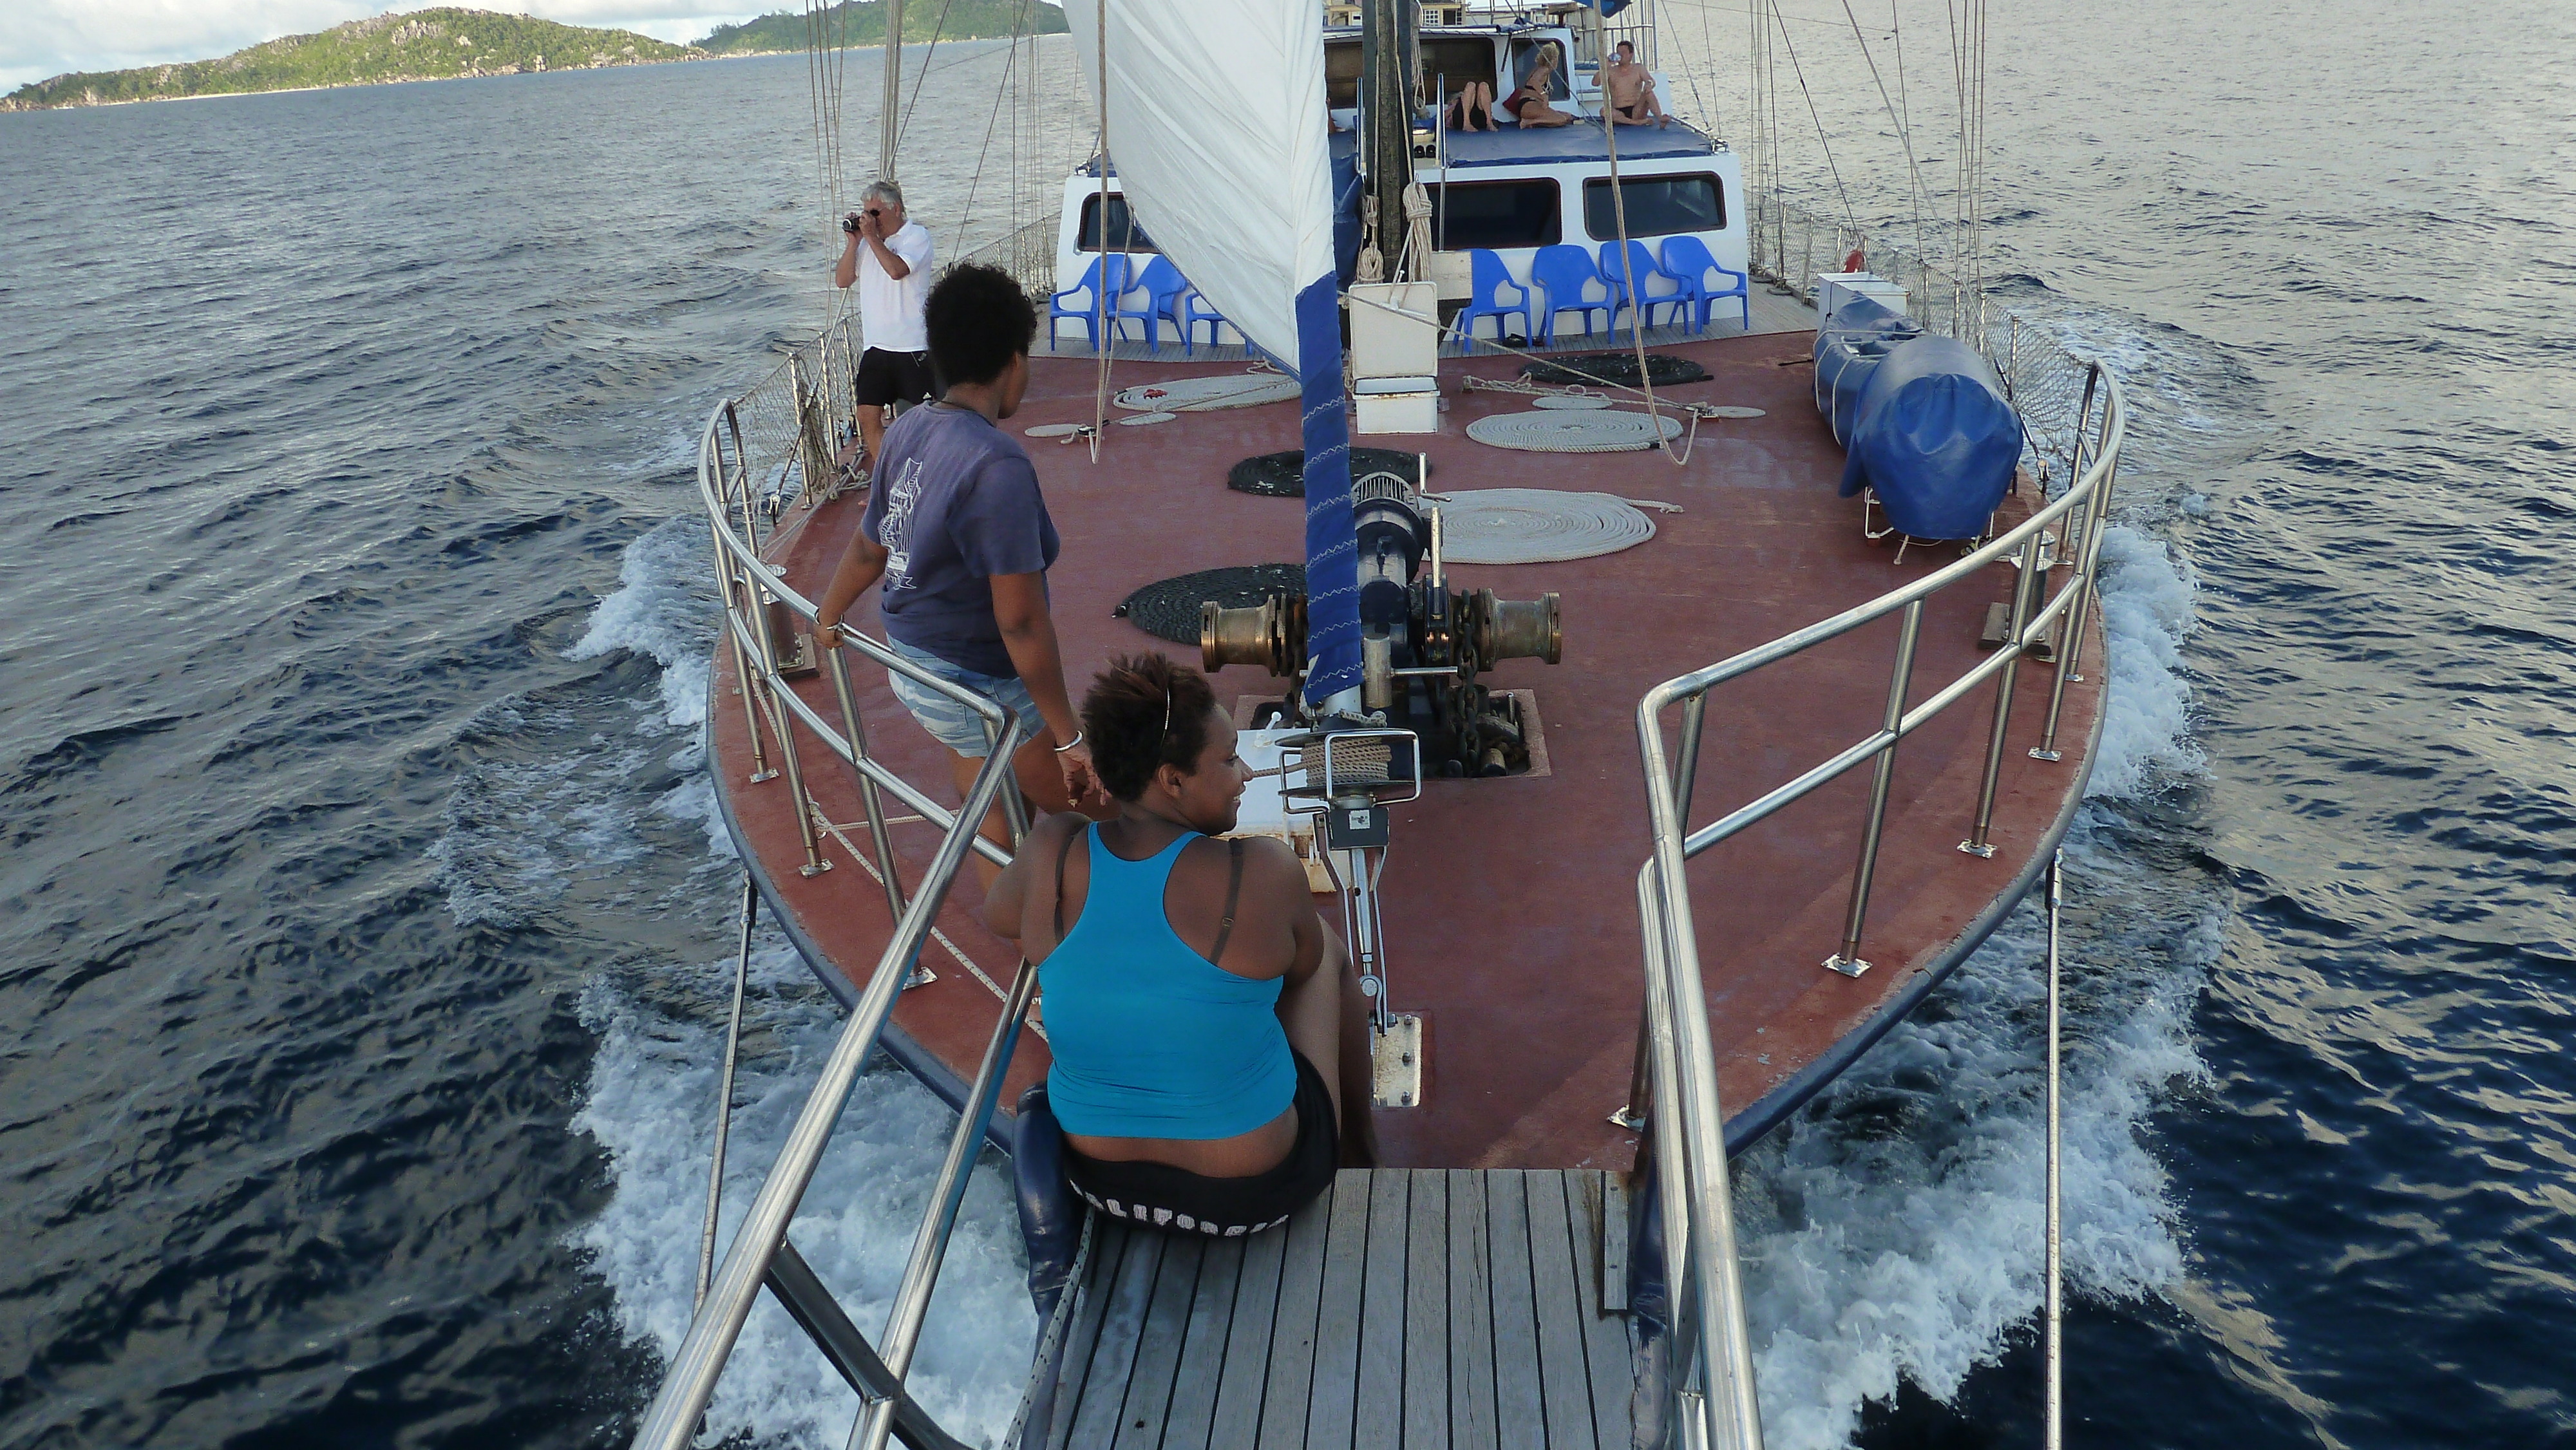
(1194, 999)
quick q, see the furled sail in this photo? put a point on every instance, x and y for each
(1216, 124)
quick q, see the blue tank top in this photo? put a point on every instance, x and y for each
(1152, 1040)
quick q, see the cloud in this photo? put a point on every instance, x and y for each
(40, 38)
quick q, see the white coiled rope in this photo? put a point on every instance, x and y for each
(1570, 431)
(1537, 526)
(1205, 395)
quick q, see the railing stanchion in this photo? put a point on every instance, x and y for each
(2109, 464)
(2081, 530)
(930, 1241)
(727, 582)
(742, 479)
(1686, 761)
(2054, 1433)
(2088, 559)
(1639, 1110)
(785, 724)
(1847, 959)
(724, 1093)
(868, 797)
(1978, 842)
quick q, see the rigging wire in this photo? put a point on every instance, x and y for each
(975, 182)
(1100, 301)
(1905, 137)
(1849, 216)
(919, 77)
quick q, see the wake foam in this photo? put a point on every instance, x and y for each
(651, 1097)
(651, 1105)
(664, 606)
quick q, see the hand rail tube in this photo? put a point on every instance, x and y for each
(747, 630)
(1714, 1399)
(671, 1422)
(1800, 640)
(1733, 1418)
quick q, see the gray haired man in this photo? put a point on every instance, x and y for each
(888, 257)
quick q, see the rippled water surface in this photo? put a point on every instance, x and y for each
(364, 936)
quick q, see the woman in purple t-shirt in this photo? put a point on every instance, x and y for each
(958, 531)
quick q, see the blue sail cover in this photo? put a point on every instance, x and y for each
(1214, 110)
(1933, 438)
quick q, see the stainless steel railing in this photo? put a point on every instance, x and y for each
(1674, 1092)
(737, 472)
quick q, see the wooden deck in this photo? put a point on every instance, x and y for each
(1412, 1308)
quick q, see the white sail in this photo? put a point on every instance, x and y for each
(1217, 128)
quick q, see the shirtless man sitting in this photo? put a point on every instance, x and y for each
(1632, 90)
(1528, 105)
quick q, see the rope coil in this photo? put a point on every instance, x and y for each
(1575, 432)
(1538, 526)
(1205, 395)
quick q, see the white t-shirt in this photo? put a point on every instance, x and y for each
(890, 310)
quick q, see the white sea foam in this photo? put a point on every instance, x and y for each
(663, 607)
(1892, 1230)
(651, 1106)
(650, 1101)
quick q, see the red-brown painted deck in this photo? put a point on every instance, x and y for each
(1510, 905)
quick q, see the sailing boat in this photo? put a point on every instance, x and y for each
(1507, 714)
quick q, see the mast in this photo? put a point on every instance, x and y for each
(1390, 38)
(889, 111)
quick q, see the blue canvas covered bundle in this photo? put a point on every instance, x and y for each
(1922, 420)
(1849, 348)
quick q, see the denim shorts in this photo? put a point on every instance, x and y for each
(953, 724)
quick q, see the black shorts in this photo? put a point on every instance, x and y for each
(1179, 1201)
(893, 377)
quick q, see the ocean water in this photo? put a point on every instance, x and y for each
(366, 934)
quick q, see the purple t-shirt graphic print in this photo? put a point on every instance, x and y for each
(956, 503)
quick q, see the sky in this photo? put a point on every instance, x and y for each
(41, 38)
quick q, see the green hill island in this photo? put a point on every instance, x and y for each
(448, 42)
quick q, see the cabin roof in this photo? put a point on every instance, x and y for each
(1578, 144)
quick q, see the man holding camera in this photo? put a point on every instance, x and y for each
(889, 258)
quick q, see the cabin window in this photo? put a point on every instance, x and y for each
(1526, 55)
(1450, 63)
(1658, 206)
(1124, 233)
(1342, 74)
(1495, 214)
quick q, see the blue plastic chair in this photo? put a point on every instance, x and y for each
(1632, 285)
(1194, 310)
(1162, 284)
(1107, 279)
(1562, 272)
(1491, 276)
(1687, 262)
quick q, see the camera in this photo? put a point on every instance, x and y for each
(850, 223)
